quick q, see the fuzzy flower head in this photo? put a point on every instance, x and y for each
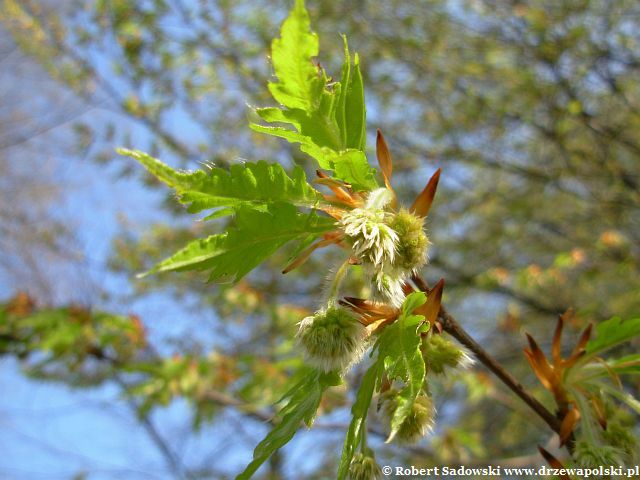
(440, 353)
(417, 424)
(364, 467)
(373, 240)
(332, 339)
(386, 285)
(412, 245)
(620, 436)
(588, 455)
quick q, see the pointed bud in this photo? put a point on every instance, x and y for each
(384, 159)
(422, 204)
(332, 339)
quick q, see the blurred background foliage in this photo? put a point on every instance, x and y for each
(532, 109)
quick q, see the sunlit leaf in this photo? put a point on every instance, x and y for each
(257, 235)
(612, 332)
(303, 402)
(299, 84)
(327, 120)
(399, 349)
(243, 184)
(359, 416)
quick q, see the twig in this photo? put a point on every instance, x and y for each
(451, 326)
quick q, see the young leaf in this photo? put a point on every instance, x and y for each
(399, 347)
(352, 167)
(257, 235)
(328, 120)
(246, 184)
(359, 416)
(299, 84)
(621, 395)
(612, 332)
(307, 145)
(355, 112)
(301, 408)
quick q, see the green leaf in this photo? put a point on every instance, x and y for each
(413, 301)
(299, 84)
(355, 110)
(358, 420)
(399, 349)
(627, 365)
(249, 184)
(328, 121)
(304, 399)
(354, 126)
(399, 356)
(278, 115)
(307, 145)
(352, 167)
(622, 395)
(256, 236)
(612, 332)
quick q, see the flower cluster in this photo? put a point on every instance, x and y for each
(332, 339)
(390, 246)
(364, 467)
(440, 354)
(417, 424)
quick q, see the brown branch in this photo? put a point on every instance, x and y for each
(451, 326)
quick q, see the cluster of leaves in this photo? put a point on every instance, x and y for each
(470, 96)
(85, 348)
(588, 388)
(327, 119)
(69, 339)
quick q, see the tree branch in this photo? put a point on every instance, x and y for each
(451, 326)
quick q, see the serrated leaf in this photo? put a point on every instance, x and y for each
(304, 399)
(299, 84)
(256, 236)
(612, 332)
(306, 143)
(412, 370)
(341, 117)
(243, 184)
(278, 115)
(399, 347)
(350, 109)
(328, 121)
(352, 167)
(413, 301)
(358, 420)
